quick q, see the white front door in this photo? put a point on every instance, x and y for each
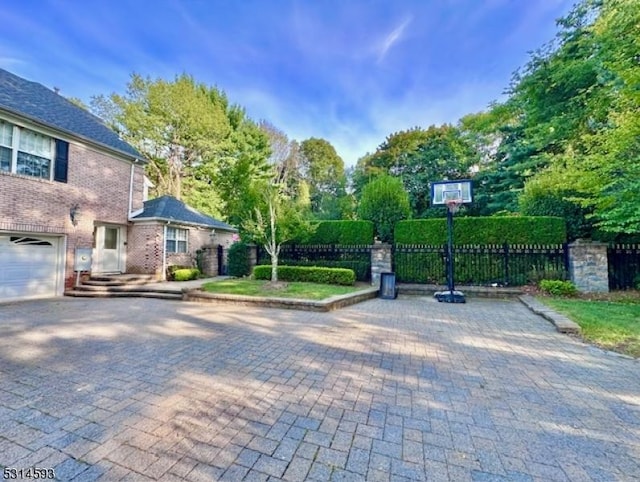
(110, 249)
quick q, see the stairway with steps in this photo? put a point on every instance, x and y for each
(124, 285)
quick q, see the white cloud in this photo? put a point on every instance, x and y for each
(392, 38)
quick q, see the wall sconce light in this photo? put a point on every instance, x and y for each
(74, 211)
(213, 233)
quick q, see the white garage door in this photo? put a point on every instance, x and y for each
(31, 266)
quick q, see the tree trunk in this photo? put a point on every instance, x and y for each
(274, 268)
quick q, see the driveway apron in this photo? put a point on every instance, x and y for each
(407, 389)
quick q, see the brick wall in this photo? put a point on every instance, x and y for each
(145, 249)
(98, 184)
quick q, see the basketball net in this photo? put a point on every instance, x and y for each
(453, 205)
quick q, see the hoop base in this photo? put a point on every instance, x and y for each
(449, 296)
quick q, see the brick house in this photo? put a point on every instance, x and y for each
(185, 231)
(68, 182)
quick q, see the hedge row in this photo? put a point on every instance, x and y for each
(309, 274)
(484, 230)
(342, 232)
(362, 269)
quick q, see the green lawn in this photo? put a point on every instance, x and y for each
(609, 324)
(307, 291)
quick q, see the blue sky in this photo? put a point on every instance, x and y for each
(350, 71)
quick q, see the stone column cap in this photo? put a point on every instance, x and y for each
(587, 242)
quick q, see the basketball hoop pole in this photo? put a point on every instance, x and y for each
(450, 283)
(452, 194)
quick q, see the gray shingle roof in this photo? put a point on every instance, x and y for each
(169, 208)
(38, 103)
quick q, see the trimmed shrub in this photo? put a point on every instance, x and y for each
(558, 288)
(362, 269)
(173, 268)
(484, 230)
(341, 232)
(239, 264)
(309, 274)
(186, 274)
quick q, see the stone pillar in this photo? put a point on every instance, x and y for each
(380, 262)
(253, 257)
(210, 260)
(588, 266)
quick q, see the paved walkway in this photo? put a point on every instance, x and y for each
(385, 390)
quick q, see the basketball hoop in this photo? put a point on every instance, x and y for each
(453, 205)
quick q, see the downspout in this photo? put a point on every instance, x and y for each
(164, 252)
(133, 167)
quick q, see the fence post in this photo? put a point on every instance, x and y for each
(588, 266)
(381, 262)
(505, 247)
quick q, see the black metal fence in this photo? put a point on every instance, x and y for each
(507, 265)
(624, 266)
(356, 257)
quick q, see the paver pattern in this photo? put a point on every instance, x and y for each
(408, 389)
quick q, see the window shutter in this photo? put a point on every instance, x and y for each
(61, 165)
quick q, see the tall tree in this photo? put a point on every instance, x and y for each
(323, 169)
(287, 160)
(175, 125)
(391, 157)
(578, 103)
(243, 164)
(443, 154)
(276, 220)
(384, 202)
(419, 157)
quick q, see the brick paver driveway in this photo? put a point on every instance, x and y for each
(386, 390)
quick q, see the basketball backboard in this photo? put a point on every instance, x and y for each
(443, 191)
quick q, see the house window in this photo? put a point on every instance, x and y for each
(176, 241)
(23, 151)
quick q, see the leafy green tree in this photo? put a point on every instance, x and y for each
(384, 201)
(580, 102)
(242, 164)
(276, 220)
(323, 170)
(443, 154)
(178, 126)
(200, 148)
(391, 157)
(539, 199)
(419, 157)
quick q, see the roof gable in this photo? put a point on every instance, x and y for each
(38, 103)
(168, 208)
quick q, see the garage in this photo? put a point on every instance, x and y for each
(31, 266)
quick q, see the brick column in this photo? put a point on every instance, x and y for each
(588, 266)
(253, 257)
(380, 262)
(210, 260)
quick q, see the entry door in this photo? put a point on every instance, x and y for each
(109, 246)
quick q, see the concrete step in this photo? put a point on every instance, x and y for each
(124, 294)
(122, 278)
(127, 289)
(95, 282)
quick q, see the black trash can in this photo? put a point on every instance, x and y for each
(388, 289)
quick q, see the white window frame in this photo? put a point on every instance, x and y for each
(175, 236)
(15, 149)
